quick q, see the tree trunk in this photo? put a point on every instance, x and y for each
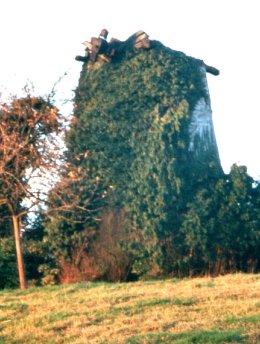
(19, 254)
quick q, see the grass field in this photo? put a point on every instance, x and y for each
(201, 310)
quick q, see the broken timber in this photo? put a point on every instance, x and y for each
(101, 50)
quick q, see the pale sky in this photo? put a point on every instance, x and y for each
(40, 39)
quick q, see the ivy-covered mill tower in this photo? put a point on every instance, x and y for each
(143, 116)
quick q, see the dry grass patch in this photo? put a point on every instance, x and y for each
(200, 310)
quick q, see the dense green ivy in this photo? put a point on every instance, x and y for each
(177, 209)
(132, 116)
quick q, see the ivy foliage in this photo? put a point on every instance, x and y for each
(132, 116)
(220, 228)
(163, 208)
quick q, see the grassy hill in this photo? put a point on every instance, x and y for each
(200, 310)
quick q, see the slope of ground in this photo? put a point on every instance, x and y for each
(200, 310)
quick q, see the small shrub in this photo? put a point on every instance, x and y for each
(8, 269)
(113, 261)
(85, 270)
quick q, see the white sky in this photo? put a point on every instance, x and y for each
(40, 39)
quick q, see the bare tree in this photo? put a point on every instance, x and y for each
(29, 149)
(32, 163)
(75, 197)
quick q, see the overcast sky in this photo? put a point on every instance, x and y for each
(40, 39)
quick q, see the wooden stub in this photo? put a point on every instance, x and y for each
(88, 45)
(145, 43)
(212, 70)
(141, 37)
(104, 58)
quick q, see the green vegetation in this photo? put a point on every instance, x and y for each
(203, 337)
(8, 270)
(163, 209)
(164, 311)
(138, 195)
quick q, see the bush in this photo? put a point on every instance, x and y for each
(8, 270)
